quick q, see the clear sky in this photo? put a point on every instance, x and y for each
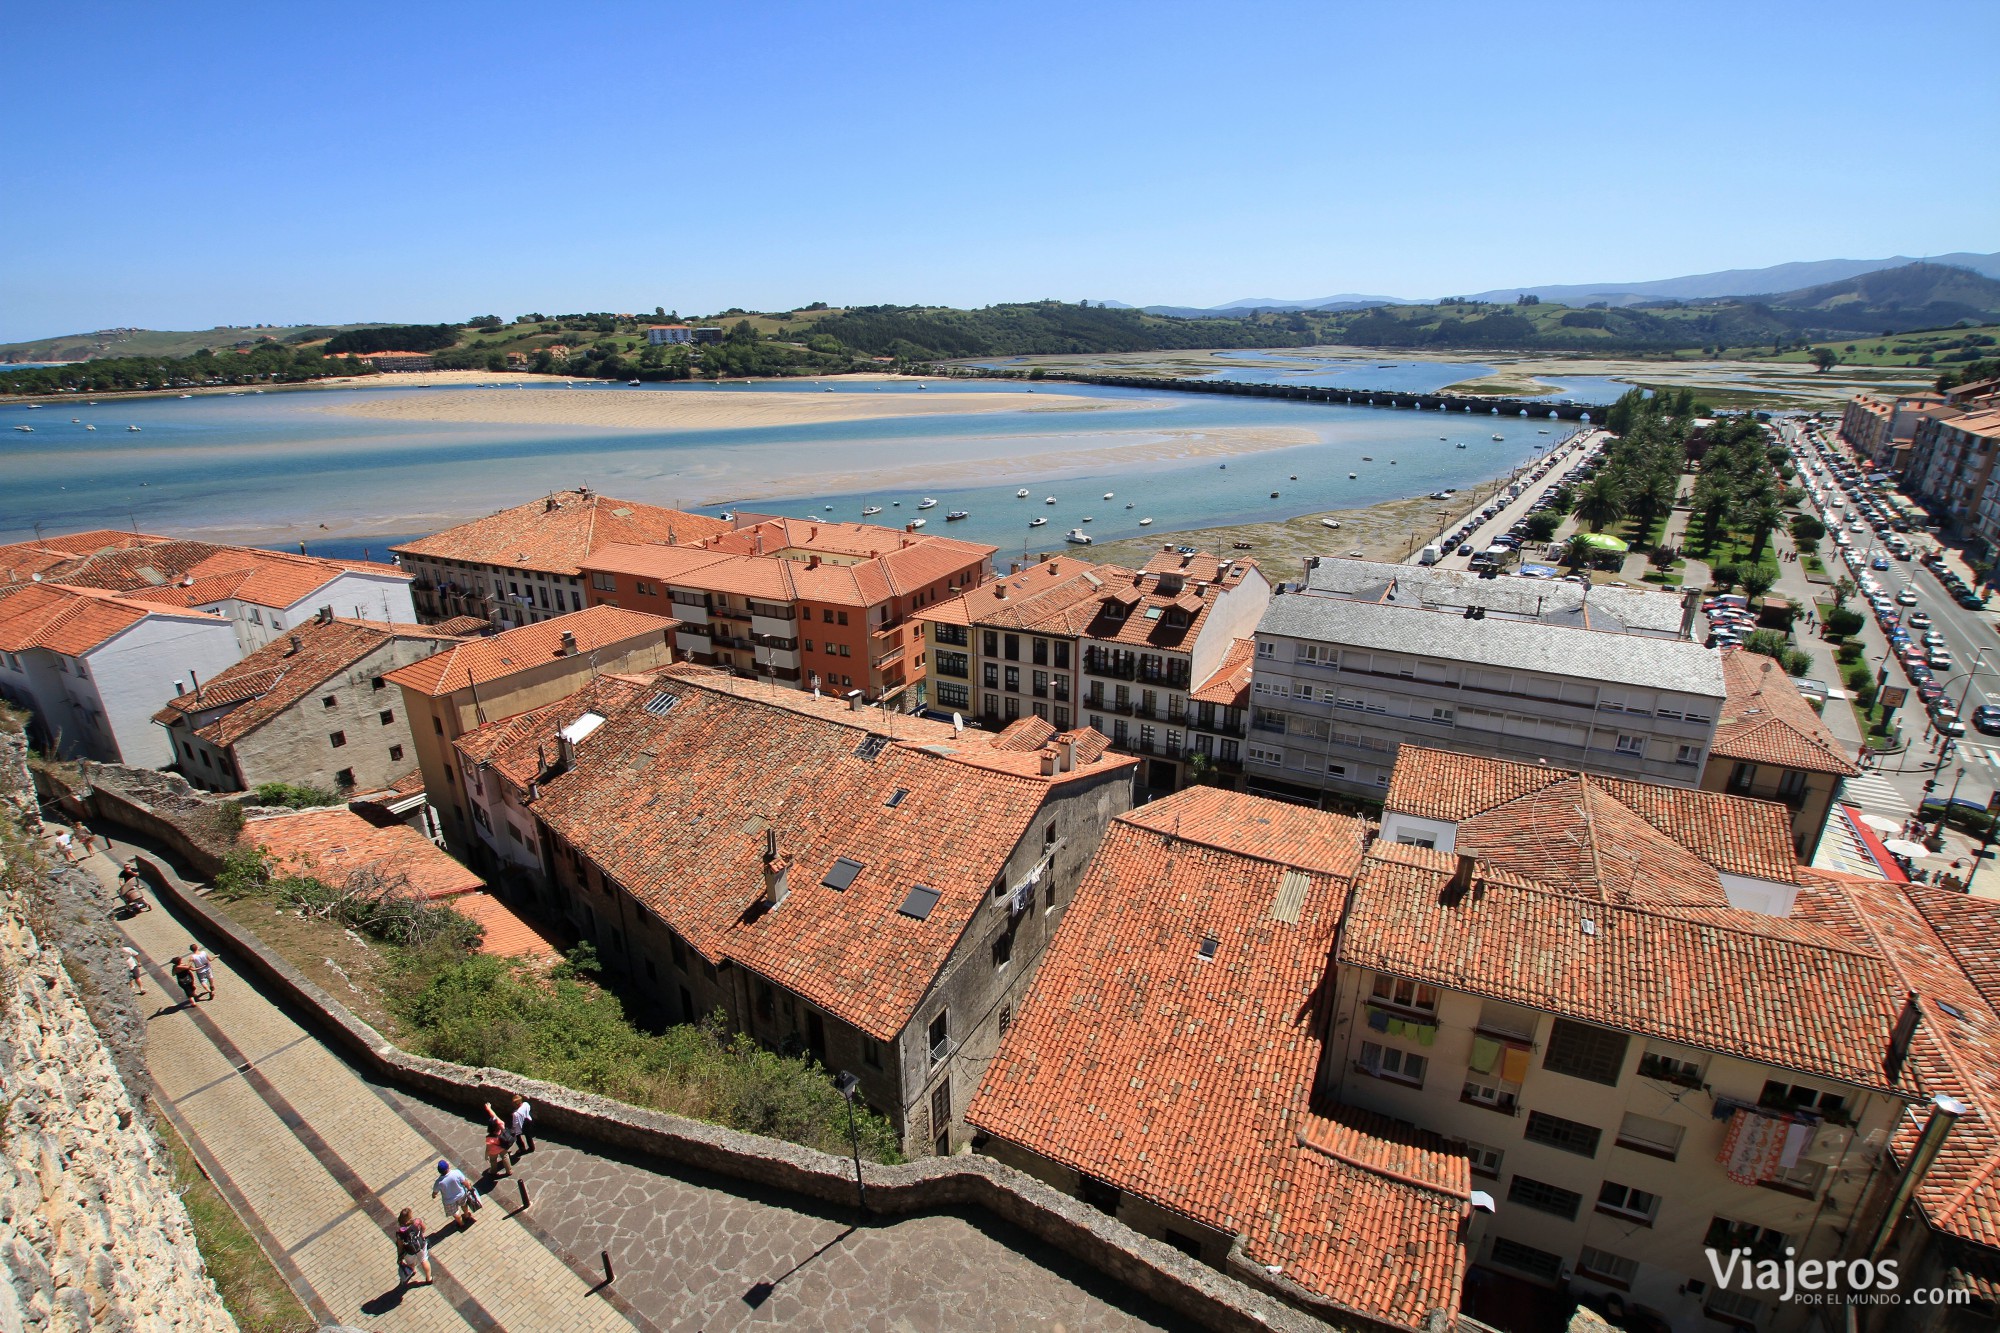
(182, 167)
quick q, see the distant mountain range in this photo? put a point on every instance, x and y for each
(1746, 282)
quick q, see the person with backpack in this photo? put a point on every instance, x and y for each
(413, 1248)
(496, 1146)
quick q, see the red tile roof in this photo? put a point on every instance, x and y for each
(1747, 985)
(1229, 686)
(773, 560)
(1765, 720)
(188, 573)
(522, 748)
(1185, 1080)
(74, 621)
(333, 844)
(688, 841)
(1036, 598)
(263, 685)
(557, 533)
(507, 934)
(480, 661)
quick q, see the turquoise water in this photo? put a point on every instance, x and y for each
(273, 468)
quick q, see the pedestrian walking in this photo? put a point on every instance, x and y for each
(85, 838)
(65, 846)
(183, 977)
(460, 1199)
(496, 1146)
(413, 1248)
(203, 964)
(132, 968)
(521, 1120)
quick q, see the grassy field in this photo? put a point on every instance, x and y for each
(1502, 386)
(1904, 349)
(250, 1286)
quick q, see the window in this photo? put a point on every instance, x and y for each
(1688, 754)
(1003, 949)
(1392, 1062)
(1585, 1052)
(388, 716)
(842, 874)
(329, 700)
(1040, 653)
(1624, 1201)
(1798, 1097)
(1406, 994)
(344, 779)
(1012, 650)
(1485, 1161)
(840, 617)
(378, 684)
(337, 739)
(604, 582)
(1265, 649)
(395, 754)
(1632, 745)
(1507, 1020)
(1655, 1138)
(1762, 1242)
(1260, 755)
(991, 674)
(1062, 655)
(643, 588)
(1742, 776)
(1568, 1135)
(1544, 1198)
(1014, 679)
(953, 696)
(437, 724)
(1609, 1268)
(940, 1035)
(1670, 1069)
(1527, 1259)
(1792, 785)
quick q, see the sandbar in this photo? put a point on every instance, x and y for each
(706, 409)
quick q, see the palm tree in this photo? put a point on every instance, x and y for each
(1603, 501)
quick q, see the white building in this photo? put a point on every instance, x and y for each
(663, 335)
(94, 666)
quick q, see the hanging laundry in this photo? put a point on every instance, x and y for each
(1798, 1142)
(1514, 1067)
(1397, 1027)
(1425, 1033)
(1485, 1055)
(1378, 1020)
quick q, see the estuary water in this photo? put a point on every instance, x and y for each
(285, 467)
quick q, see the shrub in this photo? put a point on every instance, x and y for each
(295, 796)
(1842, 621)
(1724, 576)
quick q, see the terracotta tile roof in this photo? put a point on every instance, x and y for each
(557, 533)
(333, 844)
(464, 627)
(1740, 983)
(479, 661)
(267, 682)
(1765, 720)
(1185, 1080)
(1135, 613)
(508, 935)
(520, 748)
(1229, 686)
(739, 562)
(188, 573)
(74, 621)
(687, 840)
(1970, 928)
(1293, 835)
(1037, 598)
(1730, 833)
(1027, 733)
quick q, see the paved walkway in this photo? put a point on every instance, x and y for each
(318, 1158)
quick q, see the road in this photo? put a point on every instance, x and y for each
(1568, 454)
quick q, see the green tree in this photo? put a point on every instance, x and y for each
(1825, 358)
(1602, 502)
(1757, 580)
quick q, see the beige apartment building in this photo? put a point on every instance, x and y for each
(1770, 744)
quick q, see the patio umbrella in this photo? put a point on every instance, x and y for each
(1600, 541)
(1904, 847)
(1881, 823)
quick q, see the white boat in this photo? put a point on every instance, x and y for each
(76, 421)
(1109, 494)
(1078, 536)
(1089, 518)
(870, 509)
(29, 429)
(1037, 522)
(1330, 523)
(927, 503)
(1022, 493)
(90, 428)
(957, 514)
(1499, 437)
(131, 428)
(918, 522)
(1145, 522)
(1048, 499)
(829, 506)
(1352, 475)
(1131, 504)
(1461, 444)
(187, 395)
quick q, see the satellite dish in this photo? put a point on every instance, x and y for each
(957, 723)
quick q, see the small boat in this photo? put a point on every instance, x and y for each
(1109, 494)
(1037, 522)
(131, 428)
(1442, 438)
(1274, 495)
(829, 506)
(1145, 522)
(895, 504)
(918, 522)
(1367, 458)
(1499, 437)
(1295, 476)
(36, 407)
(867, 510)
(1541, 432)
(1240, 546)
(828, 389)
(956, 514)
(1022, 493)
(90, 428)
(187, 395)
(1223, 466)
(630, 384)
(1089, 518)
(1078, 536)
(725, 516)
(926, 503)
(1461, 444)
(1131, 504)
(28, 429)
(76, 421)
(1352, 475)
(1048, 499)
(1333, 523)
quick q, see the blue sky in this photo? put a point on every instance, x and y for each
(242, 163)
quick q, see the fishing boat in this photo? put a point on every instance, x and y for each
(918, 522)
(90, 428)
(868, 510)
(927, 503)
(1333, 523)
(1145, 522)
(1037, 522)
(1022, 493)
(1274, 495)
(1048, 499)
(1109, 494)
(957, 514)
(1089, 519)
(1078, 536)
(630, 384)
(1367, 458)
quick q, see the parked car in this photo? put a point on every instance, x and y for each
(1918, 620)
(1906, 598)
(1986, 718)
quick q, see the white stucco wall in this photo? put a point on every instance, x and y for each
(135, 671)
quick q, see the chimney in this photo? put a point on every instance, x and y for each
(568, 644)
(179, 689)
(549, 505)
(1000, 591)
(812, 562)
(297, 646)
(1945, 1112)
(854, 701)
(1461, 879)
(777, 871)
(1049, 763)
(1069, 756)
(325, 616)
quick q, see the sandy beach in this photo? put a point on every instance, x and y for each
(704, 409)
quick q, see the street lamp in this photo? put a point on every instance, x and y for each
(846, 1084)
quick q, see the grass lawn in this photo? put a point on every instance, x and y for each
(1903, 349)
(250, 1286)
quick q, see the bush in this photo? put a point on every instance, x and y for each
(1846, 653)
(1959, 817)
(382, 905)
(1773, 644)
(1724, 576)
(1841, 621)
(563, 1028)
(295, 796)
(1856, 675)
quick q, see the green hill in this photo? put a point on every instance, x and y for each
(157, 342)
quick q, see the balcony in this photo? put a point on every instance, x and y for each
(690, 613)
(772, 627)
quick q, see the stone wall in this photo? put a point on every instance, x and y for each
(92, 1235)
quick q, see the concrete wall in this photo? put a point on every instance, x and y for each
(135, 675)
(1151, 1269)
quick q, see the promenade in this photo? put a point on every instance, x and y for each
(317, 1159)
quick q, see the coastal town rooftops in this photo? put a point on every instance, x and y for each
(1170, 1042)
(1160, 607)
(1520, 812)
(1785, 993)
(1554, 602)
(335, 843)
(521, 749)
(1229, 686)
(898, 563)
(1765, 720)
(476, 662)
(1556, 650)
(75, 621)
(555, 534)
(263, 685)
(185, 573)
(1037, 598)
(673, 798)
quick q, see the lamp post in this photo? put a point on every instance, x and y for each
(846, 1085)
